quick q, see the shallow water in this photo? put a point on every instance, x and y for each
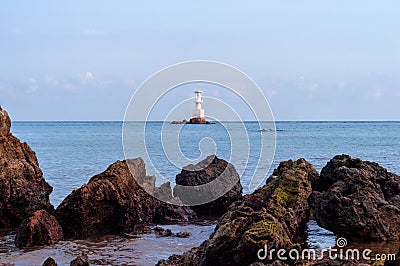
(149, 248)
(109, 250)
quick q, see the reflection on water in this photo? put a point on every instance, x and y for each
(319, 238)
(109, 250)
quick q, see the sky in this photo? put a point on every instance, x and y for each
(313, 60)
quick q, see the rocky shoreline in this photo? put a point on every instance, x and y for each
(355, 199)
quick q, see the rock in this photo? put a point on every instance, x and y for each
(183, 234)
(358, 200)
(192, 257)
(171, 213)
(336, 262)
(49, 262)
(275, 215)
(5, 123)
(395, 262)
(168, 213)
(212, 168)
(257, 264)
(81, 260)
(113, 202)
(158, 230)
(162, 232)
(166, 233)
(164, 192)
(40, 229)
(23, 190)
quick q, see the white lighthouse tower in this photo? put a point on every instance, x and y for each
(197, 112)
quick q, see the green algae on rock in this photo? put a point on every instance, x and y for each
(274, 215)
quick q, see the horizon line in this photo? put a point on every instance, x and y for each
(229, 121)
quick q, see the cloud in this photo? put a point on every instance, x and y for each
(51, 80)
(32, 85)
(93, 32)
(307, 85)
(104, 84)
(89, 75)
(342, 85)
(68, 86)
(130, 82)
(377, 93)
(85, 78)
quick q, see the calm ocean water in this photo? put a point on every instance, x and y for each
(70, 153)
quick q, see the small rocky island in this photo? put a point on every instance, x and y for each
(355, 199)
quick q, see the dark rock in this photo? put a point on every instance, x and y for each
(192, 257)
(41, 228)
(114, 202)
(23, 190)
(162, 232)
(274, 215)
(258, 264)
(5, 123)
(81, 260)
(336, 262)
(211, 169)
(170, 213)
(164, 192)
(158, 230)
(358, 200)
(49, 262)
(275, 263)
(395, 262)
(183, 234)
(166, 233)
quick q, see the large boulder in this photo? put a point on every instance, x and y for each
(23, 190)
(358, 200)
(223, 175)
(41, 228)
(274, 216)
(113, 202)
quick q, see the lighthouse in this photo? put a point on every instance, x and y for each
(197, 112)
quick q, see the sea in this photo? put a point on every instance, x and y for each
(70, 153)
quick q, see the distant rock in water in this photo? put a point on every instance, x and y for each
(114, 202)
(210, 169)
(23, 190)
(274, 215)
(40, 229)
(358, 200)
